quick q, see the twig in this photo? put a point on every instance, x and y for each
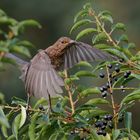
(69, 93)
(112, 99)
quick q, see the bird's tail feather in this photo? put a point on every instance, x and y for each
(18, 60)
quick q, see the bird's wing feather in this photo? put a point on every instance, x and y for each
(80, 51)
(41, 78)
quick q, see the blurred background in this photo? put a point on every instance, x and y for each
(56, 18)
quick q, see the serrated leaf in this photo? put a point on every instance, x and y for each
(2, 13)
(119, 26)
(124, 38)
(29, 22)
(18, 101)
(84, 73)
(6, 20)
(31, 132)
(3, 118)
(4, 131)
(25, 43)
(105, 12)
(79, 24)
(99, 38)
(4, 49)
(84, 63)
(117, 53)
(21, 50)
(69, 80)
(115, 134)
(103, 46)
(86, 32)
(97, 101)
(128, 121)
(87, 6)
(81, 13)
(89, 91)
(23, 116)
(15, 126)
(131, 97)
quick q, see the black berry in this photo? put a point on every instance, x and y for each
(126, 75)
(115, 79)
(117, 69)
(109, 66)
(41, 107)
(104, 94)
(99, 124)
(102, 75)
(104, 87)
(101, 132)
(108, 117)
(128, 72)
(110, 125)
(103, 127)
(101, 89)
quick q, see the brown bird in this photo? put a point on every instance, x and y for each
(40, 74)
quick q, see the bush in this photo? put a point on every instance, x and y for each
(80, 114)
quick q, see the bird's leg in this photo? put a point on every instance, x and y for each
(28, 101)
(49, 104)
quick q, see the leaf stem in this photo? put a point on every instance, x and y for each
(69, 93)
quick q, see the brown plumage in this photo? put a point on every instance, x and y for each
(40, 74)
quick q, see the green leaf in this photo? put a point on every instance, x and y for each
(79, 24)
(97, 101)
(84, 73)
(99, 38)
(131, 97)
(23, 116)
(53, 136)
(21, 50)
(119, 26)
(115, 134)
(4, 131)
(87, 6)
(71, 79)
(6, 20)
(84, 63)
(2, 13)
(89, 91)
(29, 22)
(40, 102)
(15, 126)
(85, 32)
(103, 46)
(128, 121)
(81, 13)
(124, 38)
(4, 49)
(3, 119)
(31, 132)
(25, 43)
(18, 101)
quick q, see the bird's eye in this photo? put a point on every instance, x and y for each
(63, 42)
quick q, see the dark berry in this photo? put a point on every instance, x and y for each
(41, 107)
(101, 132)
(105, 123)
(104, 87)
(128, 72)
(126, 75)
(99, 124)
(110, 75)
(101, 89)
(115, 79)
(97, 117)
(120, 119)
(103, 127)
(117, 69)
(121, 60)
(104, 94)
(102, 75)
(107, 84)
(109, 66)
(108, 117)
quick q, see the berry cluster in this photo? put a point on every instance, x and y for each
(114, 73)
(103, 124)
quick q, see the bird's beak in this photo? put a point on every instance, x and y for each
(72, 41)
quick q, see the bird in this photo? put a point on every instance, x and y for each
(40, 74)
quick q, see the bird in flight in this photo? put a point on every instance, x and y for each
(40, 75)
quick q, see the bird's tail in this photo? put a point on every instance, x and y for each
(18, 60)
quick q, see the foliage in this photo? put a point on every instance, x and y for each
(79, 114)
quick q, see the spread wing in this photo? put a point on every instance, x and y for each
(80, 51)
(41, 78)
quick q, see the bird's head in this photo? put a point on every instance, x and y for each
(63, 42)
